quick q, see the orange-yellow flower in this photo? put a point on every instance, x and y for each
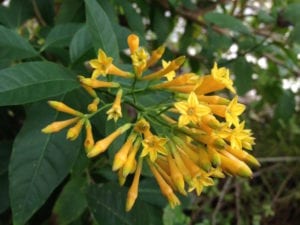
(59, 125)
(102, 145)
(233, 110)
(191, 110)
(101, 64)
(73, 132)
(89, 139)
(122, 155)
(115, 112)
(170, 75)
(139, 60)
(222, 75)
(164, 187)
(133, 190)
(152, 146)
(62, 107)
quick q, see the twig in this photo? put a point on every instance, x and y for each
(282, 186)
(237, 202)
(220, 200)
(38, 14)
(279, 159)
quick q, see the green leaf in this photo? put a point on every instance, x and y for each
(68, 207)
(161, 25)
(18, 12)
(70, 11)
(33, 81)
(101, 29)
(134, 20)
(80, 44)
(46, 10)
(39, 162)
(61, 35)
(107, 204)
(291, 13)
(285, 107)
(5, 147)
(295, 34)
(226, 21)
(175, 216)
(13, 46)
(243, 75)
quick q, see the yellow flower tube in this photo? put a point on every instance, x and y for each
(102, 145)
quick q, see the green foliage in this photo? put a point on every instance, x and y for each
(45, 44)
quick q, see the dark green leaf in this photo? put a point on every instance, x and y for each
(71, 202)
(175, 217)
(39, 162)
(133, 18)
(32, 81)
(295, 34)
(17, 13)
(13, 46)
(101, 29)
(226, 21)
(243, 75)
(292, 13)
(80, 44)
(70, 11)
(61, 35)
(46, 10)
(5, 150)
(286, 106)
(161, 25)
(107, 204)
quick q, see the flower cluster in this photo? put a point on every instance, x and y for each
(202, 136)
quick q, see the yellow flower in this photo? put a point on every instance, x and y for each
(133, 42)
(73, 132)
(155, 55)
(102, 145)
(222, 75)
(93, 107)
(133, 190)
(191, 110)
(122, 155)
(59, 125)
(164, 187)
(176, 175)
(115, 112)
(153, 145)
(142, 126)
(174, 65)
(233, 110)
(170, 76)
(89, 139)
(139, 60)
(62, 107)
(101, 64)
(94, 83)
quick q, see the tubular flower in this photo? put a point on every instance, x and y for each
(233, 110)
(73, 132)
(152, 145)
(170, 76)
(191, 110)
(222, 75)
(178, 124)
(115, 112)
(59, 125)
(101, 64)
(102, 145)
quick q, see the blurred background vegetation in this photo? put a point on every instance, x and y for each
(259, 41)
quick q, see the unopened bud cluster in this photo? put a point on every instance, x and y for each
(187, 142)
